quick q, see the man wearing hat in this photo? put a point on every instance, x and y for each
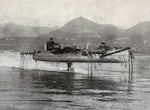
(103, 48)
(51, 44)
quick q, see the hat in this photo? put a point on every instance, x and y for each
(51, 38)
(103, 42)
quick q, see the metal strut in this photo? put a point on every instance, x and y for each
(130, 61)
(69, 64)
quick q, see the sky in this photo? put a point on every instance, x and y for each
(122, 13)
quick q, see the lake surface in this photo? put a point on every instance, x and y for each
(37, 88)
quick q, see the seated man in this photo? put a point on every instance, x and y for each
(103, 48)
(51, 44)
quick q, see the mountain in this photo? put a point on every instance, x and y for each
(138, 34)
(142, 29)
(83, 25)
(83, 28)
(80, 25)
(15, 30)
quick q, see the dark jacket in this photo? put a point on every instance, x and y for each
(51, 45)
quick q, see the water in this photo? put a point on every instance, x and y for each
(37, 88)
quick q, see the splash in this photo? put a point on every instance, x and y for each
(14, 60)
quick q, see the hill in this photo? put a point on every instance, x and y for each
(142, 29)
(80, 28)
(15, 30)
(140, 35)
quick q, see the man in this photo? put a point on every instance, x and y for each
(103, 48)
(51, 44)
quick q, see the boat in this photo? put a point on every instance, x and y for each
(74, 55)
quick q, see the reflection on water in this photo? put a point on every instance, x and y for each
(44, 90)
(68, 82)
(27, 88)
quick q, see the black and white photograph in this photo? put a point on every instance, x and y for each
(74, 54)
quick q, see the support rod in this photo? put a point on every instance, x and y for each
(129, 68)
(69, 64)
(130, 61)
(91, 74)
(88, 69)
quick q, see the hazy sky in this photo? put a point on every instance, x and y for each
(124, 13)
